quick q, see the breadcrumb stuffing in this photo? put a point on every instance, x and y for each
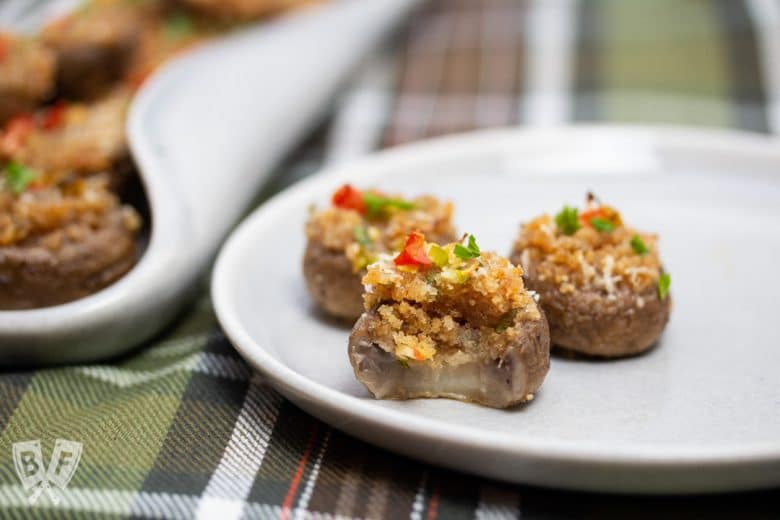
(73, 208)
(90, 140)
(588, 259)
(336, 229)
(430, 316)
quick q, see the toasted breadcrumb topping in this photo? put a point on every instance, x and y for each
(588, 258)
(90, 138)
(71, 207)
(363, 238)
(456, 310)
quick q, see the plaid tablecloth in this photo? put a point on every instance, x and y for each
(182, 427)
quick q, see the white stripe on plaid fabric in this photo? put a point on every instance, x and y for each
(254, 510)
(551, 32)
(497, 503)
(216, 365)
(418, 506)
(105, 501)
(142, 504)
(362, 112)
(765, 15)
(231, 482)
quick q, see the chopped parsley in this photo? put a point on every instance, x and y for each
(506, 321)
(664, 281)
(18, 177)
(361, 235)
(602, 225)
(467, 252)
(639, 246)
(568, 221)
(178, 25)
(377, 204)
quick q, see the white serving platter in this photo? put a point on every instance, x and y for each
(699, 413)
(206, 132)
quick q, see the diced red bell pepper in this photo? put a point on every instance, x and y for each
(55, 116)
(348, 197)
(413, 253)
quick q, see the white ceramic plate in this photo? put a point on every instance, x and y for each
(699, 413)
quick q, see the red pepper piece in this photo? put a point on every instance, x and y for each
(413, 253)
(348, 197)
(55, 116)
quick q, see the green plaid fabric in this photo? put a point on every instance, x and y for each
(182, 427)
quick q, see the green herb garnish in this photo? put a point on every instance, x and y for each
(377, 204)
(639, 246)
(568, 220)
(178, 25)
(18, 177)
(506, 321)
(467, 252)
(361, 235)
(664, 281)
(602, 225)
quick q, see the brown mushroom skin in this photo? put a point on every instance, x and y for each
(331, 281)
(497, 383)
(588, 323)
(88, 71)
(94, 48)
(27, 75)
(33, 276)
(12, 104)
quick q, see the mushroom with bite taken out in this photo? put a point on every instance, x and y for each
(449, 321)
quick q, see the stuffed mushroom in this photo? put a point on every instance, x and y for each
(449, 321)
(601, 282)
(60, 242)
(351, 234)
(27, 72)
(94, 47)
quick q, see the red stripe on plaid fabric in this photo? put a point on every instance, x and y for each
(296, 480)
(433, 503)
